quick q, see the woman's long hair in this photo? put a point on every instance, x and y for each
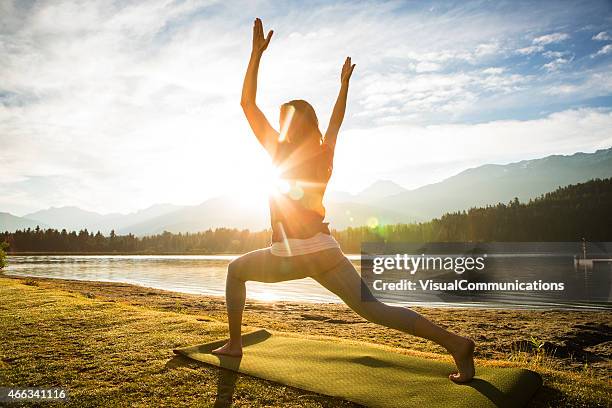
(301, 142)
(299, 123)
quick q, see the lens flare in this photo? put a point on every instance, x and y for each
(282, 187)
(372, 222)
(296, 193)
(287, 112)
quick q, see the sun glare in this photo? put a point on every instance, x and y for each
(260, 184)
(265, 295)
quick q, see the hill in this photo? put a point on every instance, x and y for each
(494, 183)
(9, 222)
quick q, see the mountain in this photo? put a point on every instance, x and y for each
(146, 214)
(9, 222)
(216, 212)
(378, 190)
(492, 183)
(71, 218)
(74, 218)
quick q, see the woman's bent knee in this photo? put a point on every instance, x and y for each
(233, 270)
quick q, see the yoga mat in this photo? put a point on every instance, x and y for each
(368, 375)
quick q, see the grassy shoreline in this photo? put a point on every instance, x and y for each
(112, 343)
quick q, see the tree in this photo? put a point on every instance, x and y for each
(3, 247)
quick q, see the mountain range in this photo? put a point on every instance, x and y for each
(382, 202)
(493, 183)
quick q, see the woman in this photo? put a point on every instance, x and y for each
(301, 242)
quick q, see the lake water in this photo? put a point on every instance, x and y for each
(196, 274)
(205, 274)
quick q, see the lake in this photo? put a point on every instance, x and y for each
(205, 275)
(196, 274)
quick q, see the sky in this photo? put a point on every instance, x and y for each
(113, 106)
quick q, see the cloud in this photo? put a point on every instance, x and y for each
(532, 49)
(550, 38)
(557, 64)
(555, 54)
(606, 49)
(406, 97)
(559, 57)
(487, 49)
(602, 36)
(426, 66)
(538, 44)
(594, 84)
(494, 70)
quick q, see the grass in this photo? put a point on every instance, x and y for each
(112, 353)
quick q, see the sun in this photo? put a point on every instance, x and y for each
(258, 185)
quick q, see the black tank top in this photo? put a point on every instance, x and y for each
(297, 211)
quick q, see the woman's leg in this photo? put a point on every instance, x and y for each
(260, 266)
(345, 282)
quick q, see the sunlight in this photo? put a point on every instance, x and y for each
(265, 296)
(287, 110)
(258, 185)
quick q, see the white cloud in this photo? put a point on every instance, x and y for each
(427, 66)
(602, 36)
(404, 95)
(494, 70)
(538, 44)
(555, 54)
(556, 65)
(596, 83)
(606, 49)
(532, 49)
(550, 38)
(486, 49)
(562, 89)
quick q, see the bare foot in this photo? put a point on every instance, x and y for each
(229, 350)
(463, 354)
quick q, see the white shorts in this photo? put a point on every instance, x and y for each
(295, 247)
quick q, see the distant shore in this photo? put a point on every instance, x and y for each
(571, 349)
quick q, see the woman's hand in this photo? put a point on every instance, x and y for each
(347, 71)
(259, 42)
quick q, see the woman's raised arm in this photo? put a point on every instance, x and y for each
(340, 107)
(265, 133)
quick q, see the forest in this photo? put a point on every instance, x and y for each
(567, 214)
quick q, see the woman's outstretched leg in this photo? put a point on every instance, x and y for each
(345, 282)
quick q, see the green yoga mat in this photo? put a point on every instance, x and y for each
(368, 375)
